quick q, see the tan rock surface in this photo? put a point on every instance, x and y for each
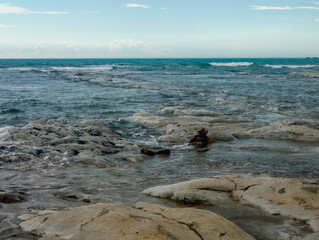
(297, 198)
(145, 221)
(180, 128)
(288, 130)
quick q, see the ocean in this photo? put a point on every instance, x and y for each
(247, 93)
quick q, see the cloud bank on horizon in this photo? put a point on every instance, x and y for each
(185, 29)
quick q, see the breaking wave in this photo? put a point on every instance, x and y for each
(231, 64)
(86, 68)
(290, 66)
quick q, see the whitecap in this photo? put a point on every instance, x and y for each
(290, 66)
(94, 68)
(21, 69)
(231, 64)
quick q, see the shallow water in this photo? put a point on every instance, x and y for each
(255, 92)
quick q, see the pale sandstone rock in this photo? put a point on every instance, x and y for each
(297, 198)
(181, 128)
(288, 130)
(145, 221)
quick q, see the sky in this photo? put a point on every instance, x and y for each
(159, 28)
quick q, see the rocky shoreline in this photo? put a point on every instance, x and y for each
(295, 198)
(63, 144)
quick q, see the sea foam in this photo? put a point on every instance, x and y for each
(86, 68)
(231, 64)
(290, 66)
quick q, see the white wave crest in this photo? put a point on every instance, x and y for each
(290, 66)
(86, 68)
(21, 69)
(231, 64)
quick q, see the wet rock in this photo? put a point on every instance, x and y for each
(163, 152)
(296, 198)
(72, 196)
(132, 158)
(179, 129)
(48, 142)
(13, 197)
(200, 139)
(144, 221)
(14, 158)
(288, 130)
(152, 152)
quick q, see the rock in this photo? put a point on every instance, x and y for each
(72, 196)
(179, 129)
(13, 197)
(297, 198)
(288, 130)
(145, 221)
(201, 140)
(58, 142)
(152, 152)
(221, 136)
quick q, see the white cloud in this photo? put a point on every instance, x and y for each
(6, 8)
(129, 43)
(135, 5)
(163, 8)
(317, 20)
(281, 8)
(270, 8)
(70, 46)
(6, 26)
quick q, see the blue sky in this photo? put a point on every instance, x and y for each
(158, 28)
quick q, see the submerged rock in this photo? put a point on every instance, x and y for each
(297, 198)
(13, 197)
(144, 221)
(72, 196)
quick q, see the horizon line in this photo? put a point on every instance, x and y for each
(161, 58)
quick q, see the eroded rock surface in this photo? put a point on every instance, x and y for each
(178, 126)
(297, 198)
(144, 221)
(288, 130)
(44, 143)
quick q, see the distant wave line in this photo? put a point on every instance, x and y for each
(291, 66)
(231, 64)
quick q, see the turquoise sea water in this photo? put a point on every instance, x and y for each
(113, 89)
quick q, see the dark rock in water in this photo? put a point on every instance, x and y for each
(152, 152)
(148, 151)
(13, 197)
(201, 139)
(163, 152)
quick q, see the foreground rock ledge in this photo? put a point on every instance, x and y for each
(144, 221)
(297, 198)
